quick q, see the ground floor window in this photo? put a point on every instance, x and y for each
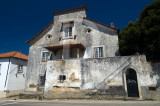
(20, 69)
(42, 80)
(62, 78)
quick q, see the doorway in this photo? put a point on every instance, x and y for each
(132, 84)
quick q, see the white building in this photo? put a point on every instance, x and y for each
(13, 66)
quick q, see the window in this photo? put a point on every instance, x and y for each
(45, 56)
(88, 30)
(0, 69)
(98, 52)
(49, 36)
(20, 69)
(62, 78)
(42, 80)
(68, 32)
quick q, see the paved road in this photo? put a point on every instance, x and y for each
(77, 103)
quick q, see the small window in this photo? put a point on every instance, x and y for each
(49, 36)
(88, 30)
(98, 52)
(152, 88)
(45, 56)
(0, 69)
(68, 32)
(42, 80)
(20, 69)
(62, 78)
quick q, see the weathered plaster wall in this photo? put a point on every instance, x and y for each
(16, 81)
(101, 78)
(4, 67)
(99, 73)
(35, 68)
(11, 83)
(108, 38)
(70, 68)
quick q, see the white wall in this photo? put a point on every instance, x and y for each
(16, 81)
(4, 67)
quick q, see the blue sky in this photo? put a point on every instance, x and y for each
(20, 20)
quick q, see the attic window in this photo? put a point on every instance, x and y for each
(67, 29)
(88, 30)
(49, 36)
(68, 32)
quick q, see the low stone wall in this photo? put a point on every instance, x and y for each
(151, 93)
(2, 94)
(76, 93)
(14, 93)
(102, 78)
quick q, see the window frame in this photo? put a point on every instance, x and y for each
(62, 78)
(46, 57)
(103, 51)
(68, 25)
(69, 32)
(20, 70)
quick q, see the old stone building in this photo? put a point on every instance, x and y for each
(76, 57)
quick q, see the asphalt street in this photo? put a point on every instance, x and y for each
(77, 103)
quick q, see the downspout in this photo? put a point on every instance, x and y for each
(7, 73)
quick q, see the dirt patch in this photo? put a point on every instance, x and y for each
(73, 78)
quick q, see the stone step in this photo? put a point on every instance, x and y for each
(31, 95)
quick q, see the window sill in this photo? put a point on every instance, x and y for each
(43, 62)
(65, 38)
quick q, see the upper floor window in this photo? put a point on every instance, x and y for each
(67, 29)
(20, 69)
(68, 32)
(45, 56)
(98, 52)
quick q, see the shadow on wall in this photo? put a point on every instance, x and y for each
(156, 72)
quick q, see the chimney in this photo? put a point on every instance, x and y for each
(112, 24)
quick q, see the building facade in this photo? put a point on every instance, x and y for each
(76, 57)
(13, 67)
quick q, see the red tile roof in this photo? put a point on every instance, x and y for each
(72, 9)
(14, 54)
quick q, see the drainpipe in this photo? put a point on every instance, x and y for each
(7, 73)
